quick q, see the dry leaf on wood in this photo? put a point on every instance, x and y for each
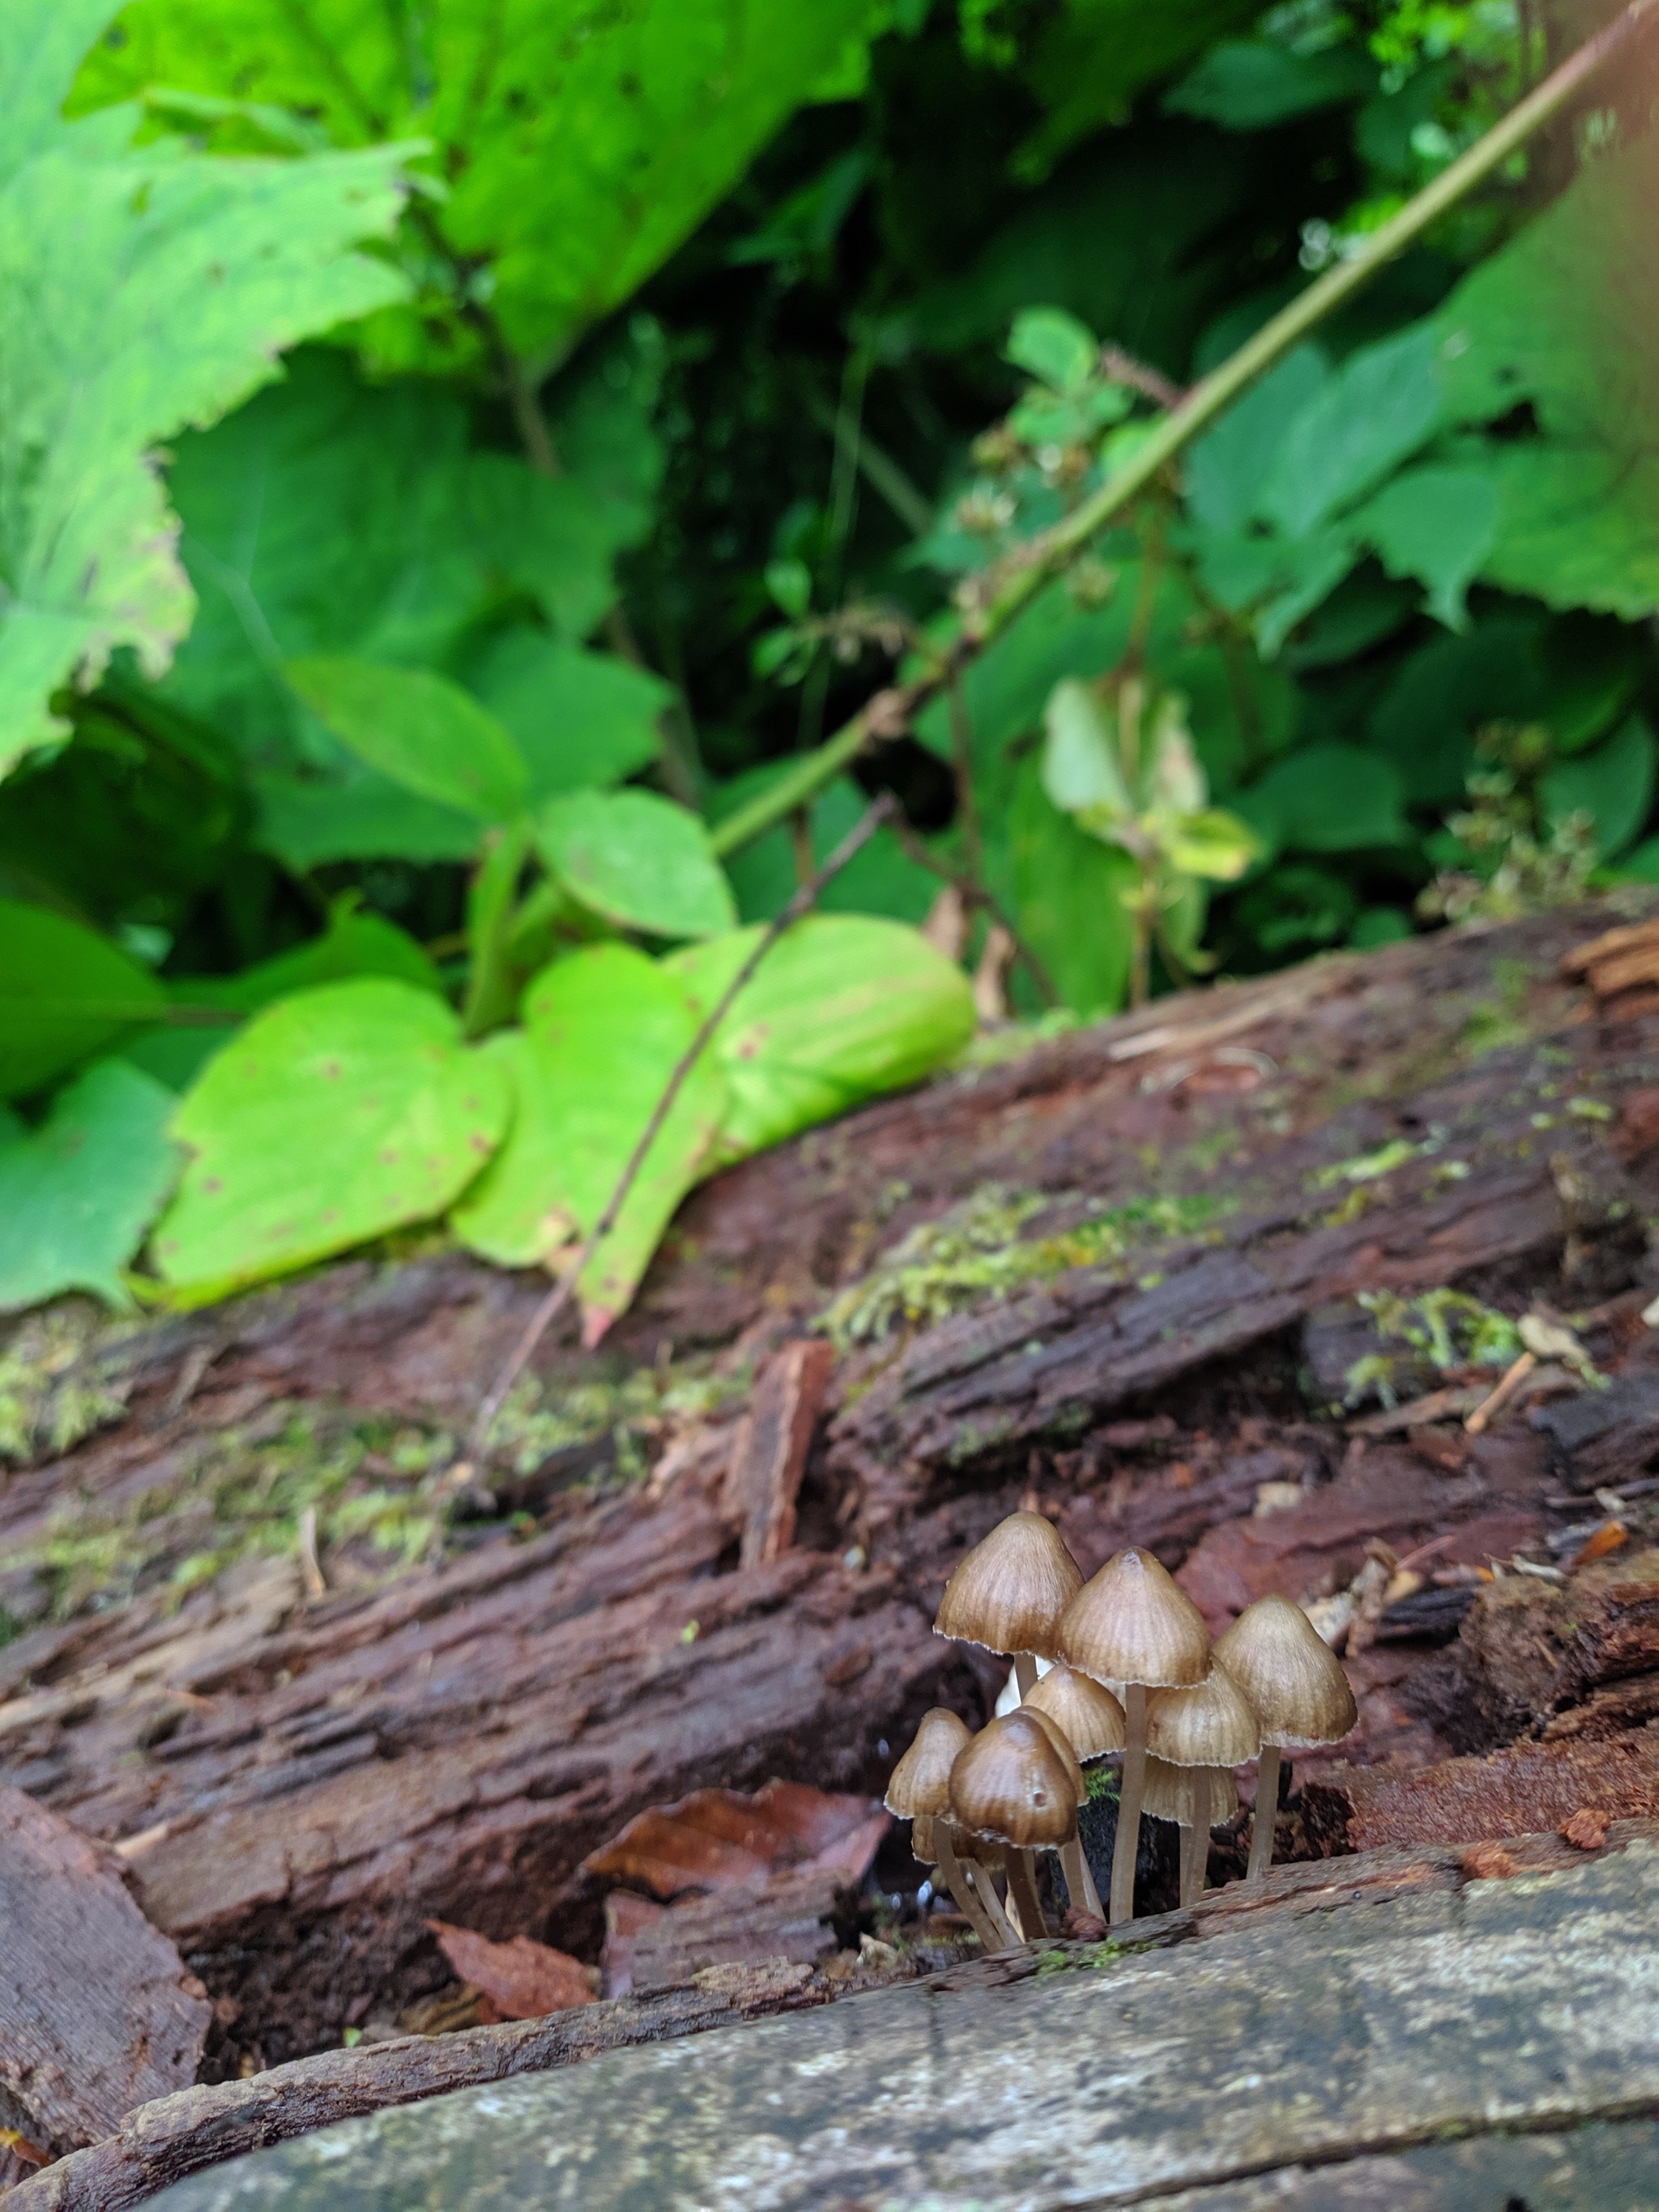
(715, 1838)
(519, 1979)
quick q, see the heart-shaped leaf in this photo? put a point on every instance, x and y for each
(334, 1115)
(604, 1031)
(639, 860)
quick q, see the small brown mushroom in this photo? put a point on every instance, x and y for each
(1300, 1692)
(1132, 1623)
(1009, 1593)
(1206, 1730)
(919, 1790)
(1014, 1784)
(1092, 1720)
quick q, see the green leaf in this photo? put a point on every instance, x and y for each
(1229, 467)
(65, 992)
(1080, 769)
(1577, 527)
(310, 821)
(1213, 844)
(1246, 84)
(1048, 343)
(1438, 524)
(604, 1030)
(353, 944)
(1381, 405)
(421, 730)
(1328, 799)
(77, 1195)
(579, 718)
(1613, 785)
(334, 1115)
(881, 878)
(578, 149)
(843, 1008)
(328, 518)
(144, 289)
(1069, 890)
(1094, 56)
(641, 861)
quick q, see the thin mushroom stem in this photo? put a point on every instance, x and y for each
(1023, 1895)
(958, 1881)
(1079, 1878)
(1128, 1807)
(986, 1890)
(1197, 1826)
(1267, 1807)
(1025, 1674)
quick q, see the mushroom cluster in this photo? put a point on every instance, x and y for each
(1129, 1671)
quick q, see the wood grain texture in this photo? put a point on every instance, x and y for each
(97, 2013)
(1530, 2004)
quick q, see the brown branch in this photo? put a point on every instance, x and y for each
(881, 812)
(1121, 368)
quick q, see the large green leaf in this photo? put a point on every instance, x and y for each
(77, 1195)
(578, 143)
(64, 992)
(843, 1008)
(421, 730)
(334, 1117)
(1380, 407)
(638, 860)
(580, 718)
(142, 288)
(357, 815)
(604, 1030)
(1577, 526)
(327, 518)
(1069, 890)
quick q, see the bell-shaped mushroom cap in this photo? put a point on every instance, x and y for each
(920, 1781)
(1090, 1718)
(1010, 1591)
(1132, 1622)
(1011, 1785)
(1166, 1799)
(1289, 1674)
(1057, 1737)
(1211, 1724)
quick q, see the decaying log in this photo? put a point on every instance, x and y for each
(97, 2013)
(185, 2134)
(298, 1788)
(1370, 2033)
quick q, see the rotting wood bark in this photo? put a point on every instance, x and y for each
(97, 2013)
(183, 2134)
(298, 1789)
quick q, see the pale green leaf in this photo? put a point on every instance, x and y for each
(604, 1030)
(1212, 844)
(142, 288)
(1048, 343)
(334, 1117)
(421, 730)
(639, 860)
(1080, 769)
(580, 144)
(1439, 525)
(64, 992)
(77, 1195)
(843, 1008)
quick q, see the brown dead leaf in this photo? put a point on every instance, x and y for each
(519, 1979)
(1586, 1829)
(715, 1838)
(21, 2148)
(1607, 1538)
(1490, 1862)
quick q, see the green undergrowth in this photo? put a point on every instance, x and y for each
(1447, 1329)
(976, 1250)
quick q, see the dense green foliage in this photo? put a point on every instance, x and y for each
(454, 461)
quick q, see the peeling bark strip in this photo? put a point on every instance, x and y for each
(769, 1456)
(1374, 2030)
(202, 2128)
(97, 2014)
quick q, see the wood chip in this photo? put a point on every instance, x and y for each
(769, 1456)
(1586, 1831)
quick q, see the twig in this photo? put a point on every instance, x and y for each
(311, 1567)
(976, 894)
(879, 812)
(1208, 399)
(1490, 1406)
(1140, 376)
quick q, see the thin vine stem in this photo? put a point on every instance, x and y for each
(1049, 555)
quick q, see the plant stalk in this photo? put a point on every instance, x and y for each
(1127, 1848)
(1267, 1807)
(1207, 400)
